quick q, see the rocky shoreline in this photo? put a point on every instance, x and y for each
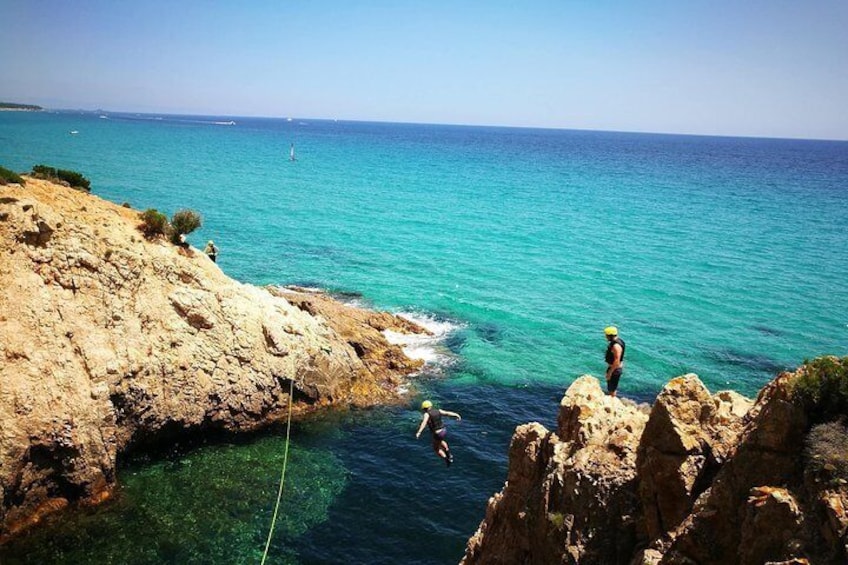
(696, 478)
(110, 341)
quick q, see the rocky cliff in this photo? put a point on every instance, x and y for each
(110, 341)
(697, 478)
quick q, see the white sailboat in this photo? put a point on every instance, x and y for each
(291, 153)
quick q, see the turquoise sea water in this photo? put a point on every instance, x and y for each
(725, 257)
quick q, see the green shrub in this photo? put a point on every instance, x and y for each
(73, 178)
(826, 452)
(44, 172)
(184, 222)
(821, 386)
(7, 176)
(153, 223)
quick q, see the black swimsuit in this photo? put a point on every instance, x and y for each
(615, 376)
(435, 424)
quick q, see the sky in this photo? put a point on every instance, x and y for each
(766, 68)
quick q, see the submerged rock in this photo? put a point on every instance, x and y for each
(110, 341)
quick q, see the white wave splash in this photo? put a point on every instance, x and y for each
(428, 348)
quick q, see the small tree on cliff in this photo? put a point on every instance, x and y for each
(153, 223)
(182, 223)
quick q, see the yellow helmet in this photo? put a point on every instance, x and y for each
(610, 330)
(426, 404)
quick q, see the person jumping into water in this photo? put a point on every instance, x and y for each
(614, 358)
(433, 419)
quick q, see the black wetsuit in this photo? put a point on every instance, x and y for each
(615, 376)
(434, 422)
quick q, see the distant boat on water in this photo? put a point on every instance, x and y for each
(291, 153)
(73, 132)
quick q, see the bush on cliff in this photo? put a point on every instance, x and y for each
(153, 223)
(182, 223)
(73, 178)
(7, 176)
(822, 388)
(826, 452)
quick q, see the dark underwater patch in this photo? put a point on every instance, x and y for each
(345, 295)
(752, 361)
(768, 331)
(455, 341)
(490, 332)
(307, 283)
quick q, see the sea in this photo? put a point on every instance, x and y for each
(720, 256)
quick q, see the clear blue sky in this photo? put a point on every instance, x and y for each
(733, 67)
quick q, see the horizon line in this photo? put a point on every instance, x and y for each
(366, 121)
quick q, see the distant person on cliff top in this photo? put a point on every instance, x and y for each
(614, 358)
(211, 251)
(433, 419)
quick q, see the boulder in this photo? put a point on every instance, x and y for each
(688, 437)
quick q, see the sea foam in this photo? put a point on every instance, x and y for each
(428, 348)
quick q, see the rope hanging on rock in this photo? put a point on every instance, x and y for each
(282, 475)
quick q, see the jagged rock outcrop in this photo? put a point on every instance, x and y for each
(688, 437)
(758, 508)
(108, 341)
(707, 479)
(570, 495)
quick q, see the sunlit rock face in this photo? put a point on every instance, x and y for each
(697, 478)
(110, 341)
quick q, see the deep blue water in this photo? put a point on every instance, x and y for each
(726, 257)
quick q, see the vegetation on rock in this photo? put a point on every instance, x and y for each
(821, 386)
(7, 176)
(184, 222)
(826, 452)
(73, 178)
(153, 223)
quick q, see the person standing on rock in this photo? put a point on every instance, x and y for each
(432, 418)
(614, 358)
(211, 251)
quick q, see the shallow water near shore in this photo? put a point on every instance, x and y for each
(721, 256)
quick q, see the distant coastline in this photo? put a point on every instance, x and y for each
(12, 107)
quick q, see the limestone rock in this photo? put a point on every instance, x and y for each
(687, 438)
(110, 341)
(567, 491)
(720, 480)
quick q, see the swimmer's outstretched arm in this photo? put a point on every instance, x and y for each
(449, 413)
(423, 424)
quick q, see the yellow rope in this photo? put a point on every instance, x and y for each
(282, 475)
